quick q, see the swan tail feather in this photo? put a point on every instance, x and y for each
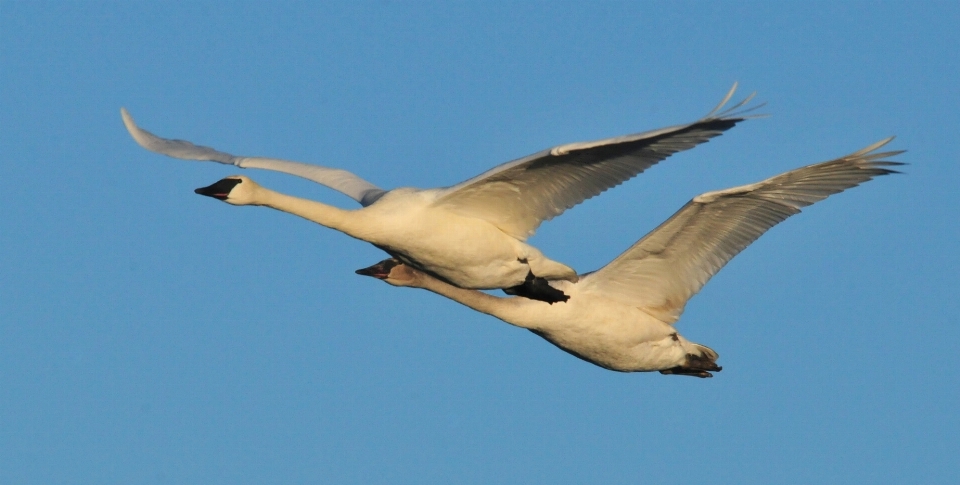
(698, 363)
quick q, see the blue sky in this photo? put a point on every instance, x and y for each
(149, 335)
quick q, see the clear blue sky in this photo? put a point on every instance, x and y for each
(150, 335)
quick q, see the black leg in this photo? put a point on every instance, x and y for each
(536, 288)
(695, 366)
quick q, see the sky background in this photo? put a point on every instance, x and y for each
(150, 335)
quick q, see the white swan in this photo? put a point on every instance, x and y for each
(621, 317)
(472, 234)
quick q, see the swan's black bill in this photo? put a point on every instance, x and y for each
(220, 190)
(381, 270)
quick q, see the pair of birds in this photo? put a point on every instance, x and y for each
(457, 240)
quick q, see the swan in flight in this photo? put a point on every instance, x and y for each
(621, 317)
(472, 234)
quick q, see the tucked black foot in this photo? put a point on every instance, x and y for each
(536, 288)
(695, 366)
(683, 371)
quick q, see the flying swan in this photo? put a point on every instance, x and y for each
(472, 234)
(621, 317)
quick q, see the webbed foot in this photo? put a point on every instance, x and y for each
(536, 288)
(695, 366)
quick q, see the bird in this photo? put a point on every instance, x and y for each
(621, 317)
(473, 234)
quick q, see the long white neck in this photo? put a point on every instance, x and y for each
(345, 221)
(507, 309)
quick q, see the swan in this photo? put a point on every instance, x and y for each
(473, 234)
(621, 317)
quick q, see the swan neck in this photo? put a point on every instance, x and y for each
(318, 212)
(502, 308)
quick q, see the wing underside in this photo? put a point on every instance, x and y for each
(340, 180)
(518, 196)
(662, 271)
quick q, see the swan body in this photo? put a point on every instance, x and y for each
(621, 316)
(403, 224)
(472, 234)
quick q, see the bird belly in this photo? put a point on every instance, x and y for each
(466, 252)
(613, 336)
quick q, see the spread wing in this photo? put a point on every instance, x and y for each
(340, 180)
(517, 196)
(672, 263)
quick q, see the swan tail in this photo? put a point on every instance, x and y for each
(548, 269)
(698, 363)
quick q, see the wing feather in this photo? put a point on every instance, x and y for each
(662, 271)
(519, 195)
(340, 180)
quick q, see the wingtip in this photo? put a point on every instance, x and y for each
(886, 140)
(139, 135)
(128, 121)
(738, 111)
(872, 147)
(733, 89)
(726, 99)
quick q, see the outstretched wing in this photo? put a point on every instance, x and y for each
(672, 263)
(340, 180)
(517, 196)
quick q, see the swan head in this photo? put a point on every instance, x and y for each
(393, 272)
(235, 189)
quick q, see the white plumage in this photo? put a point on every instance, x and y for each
(620, 317)
(471, 234)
